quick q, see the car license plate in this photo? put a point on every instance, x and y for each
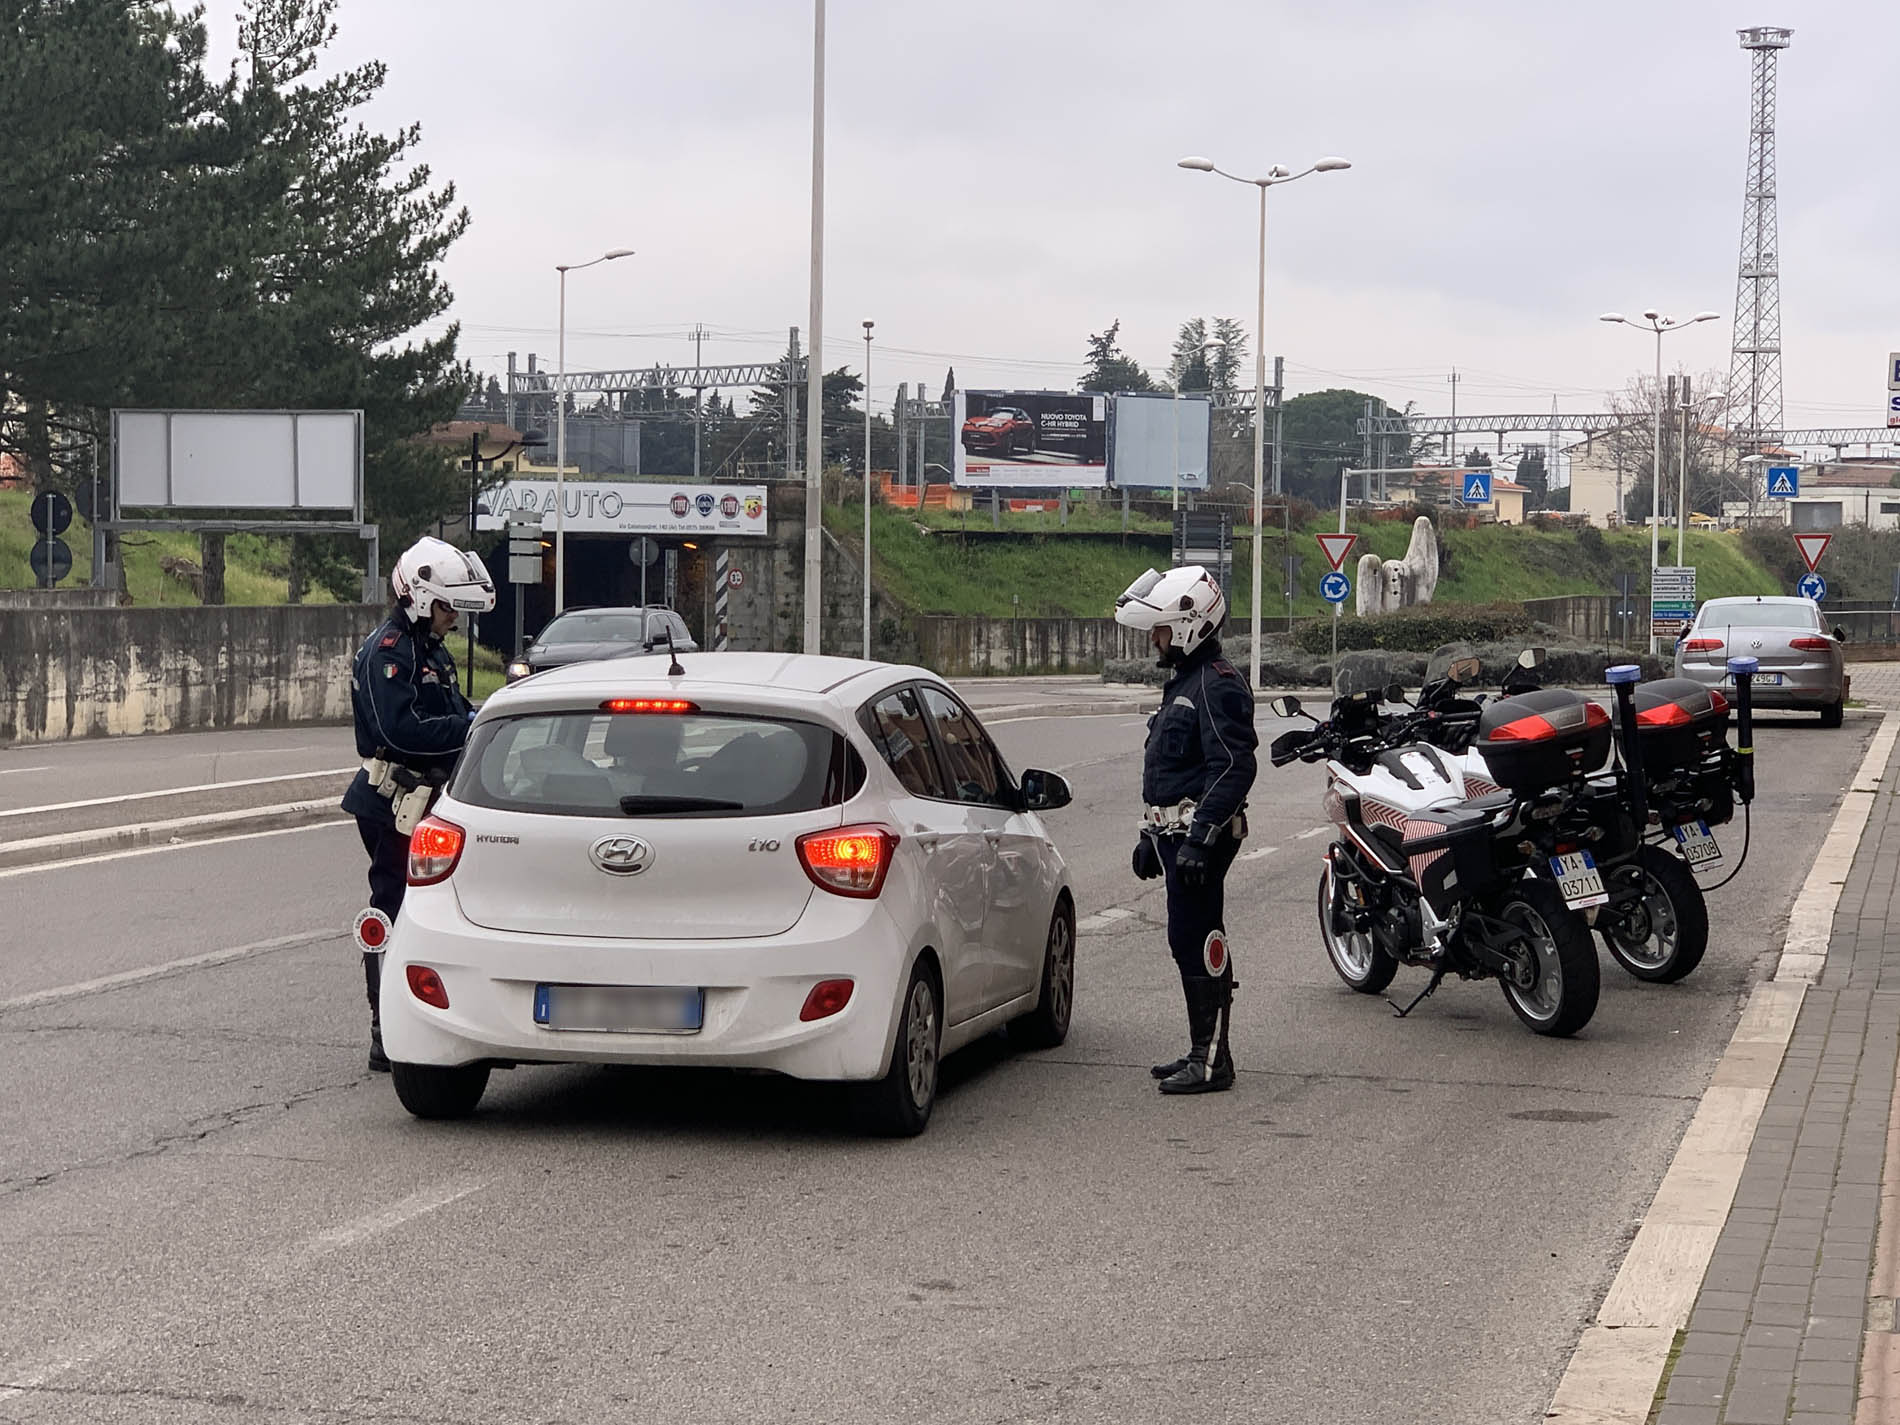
(1578, 880)
(1698, 845)
(620, 1009)
(1770, 680)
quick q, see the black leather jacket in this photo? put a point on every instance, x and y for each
(1201, 743)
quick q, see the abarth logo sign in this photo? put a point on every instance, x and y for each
(622, 855)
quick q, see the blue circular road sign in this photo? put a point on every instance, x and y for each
(1812, 586)
(1335, 588)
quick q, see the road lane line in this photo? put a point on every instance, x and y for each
(348, 1234)
(15, 771)
(175, 791)
(192, 845)
(170, 967)
(1311, 832)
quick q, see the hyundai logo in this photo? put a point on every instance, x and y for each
(622, 855)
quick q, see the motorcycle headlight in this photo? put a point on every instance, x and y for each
(518, 669)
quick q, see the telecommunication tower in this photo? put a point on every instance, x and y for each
(1754, 383)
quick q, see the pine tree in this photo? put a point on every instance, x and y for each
(1110, 368)
(1226, 361)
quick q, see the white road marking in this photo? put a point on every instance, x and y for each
(15, 771)
(350, 1233)
(1312, 832)
(1102, 919)
(171, 846)
(1256, 855)
(1045, 717)
(153, 972)
(175, 791)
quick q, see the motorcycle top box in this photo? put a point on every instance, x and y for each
(1543, 739)
(1679, 723)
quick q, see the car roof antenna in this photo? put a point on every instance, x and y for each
(673, 659)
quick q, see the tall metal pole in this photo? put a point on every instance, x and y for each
(560, 460)
(1655, 498)
(1682, 477)
(1279, 427)
(867, 490)
(1259, 434)
(474, 475)
(699, 361)
(815, 379)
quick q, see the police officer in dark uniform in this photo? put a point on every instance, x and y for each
(411, 721)
(1196, 772)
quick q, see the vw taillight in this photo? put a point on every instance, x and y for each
(1811, 645)
(1702, 645)
(851, 861)
(434, 848)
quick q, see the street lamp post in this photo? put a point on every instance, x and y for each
(867, 490)
(1656, 322)
(1275, 175)
(560, 431)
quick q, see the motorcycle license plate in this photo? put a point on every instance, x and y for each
(1578, 880)
(1698, 845)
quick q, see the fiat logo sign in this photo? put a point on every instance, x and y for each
(729, 507)
(622, 855)
(680, 505)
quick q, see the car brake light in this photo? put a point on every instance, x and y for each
(434, 848)
(1811, 645)
(827, 998)
(1702, 645)
(426, 985)
(648, 705)
(850, 861)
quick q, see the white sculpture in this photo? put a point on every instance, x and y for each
(1388, 584)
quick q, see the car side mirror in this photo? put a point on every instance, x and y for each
(1045, 791)
(1285, 707)
(1840, 634)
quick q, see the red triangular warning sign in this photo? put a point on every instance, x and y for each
(1812, 547)
(1336, 547)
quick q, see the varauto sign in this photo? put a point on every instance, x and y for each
(622, 507)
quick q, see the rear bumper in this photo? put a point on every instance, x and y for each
(1811, 685)
(754, 990)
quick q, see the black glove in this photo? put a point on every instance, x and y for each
(1147, 860)
(1191, 864)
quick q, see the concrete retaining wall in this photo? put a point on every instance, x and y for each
(74, 598)
(104, 672)
(975, 647)
(1590, 617)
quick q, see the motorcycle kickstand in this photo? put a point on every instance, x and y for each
(1437, 975)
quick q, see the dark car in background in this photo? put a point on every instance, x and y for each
(589, 635)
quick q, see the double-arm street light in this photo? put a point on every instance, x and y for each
(560, 430)
(1658, 323)
(1275, 175)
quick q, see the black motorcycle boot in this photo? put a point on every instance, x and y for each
(373, 981)
(1210, 1066)
(1174, 1066)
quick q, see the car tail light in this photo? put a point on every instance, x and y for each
(648, 705)
(850, 861)
(434, 848)
(827, 998)
(1811, 645)
(426, 985)
(1702, 645)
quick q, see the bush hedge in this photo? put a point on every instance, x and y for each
(1420, 629)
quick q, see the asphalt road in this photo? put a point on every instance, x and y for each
(210, 1212)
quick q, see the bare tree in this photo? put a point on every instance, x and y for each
(1632, 444)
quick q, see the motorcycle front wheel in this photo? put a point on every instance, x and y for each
(1356, 956)
(1660, 936)
(1563, 995)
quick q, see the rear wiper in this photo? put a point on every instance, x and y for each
(633, 806)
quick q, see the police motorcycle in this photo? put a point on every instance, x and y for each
(1424, 873)
(1674, 778)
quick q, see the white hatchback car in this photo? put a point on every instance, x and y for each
(812, 865)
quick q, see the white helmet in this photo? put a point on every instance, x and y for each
(433, 571)
(1187, 600)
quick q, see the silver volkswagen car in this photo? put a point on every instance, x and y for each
(1801, 660)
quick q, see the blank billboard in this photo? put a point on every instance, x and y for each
(238, 460)
(1152, 438)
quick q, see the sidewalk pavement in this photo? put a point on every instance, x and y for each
(1876, 683)
(1794, 1323)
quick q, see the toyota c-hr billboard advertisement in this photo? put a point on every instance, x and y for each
(1031, 439)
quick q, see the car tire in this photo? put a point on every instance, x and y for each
(1047, 1025)
(898, 1105)
(428, 1091)
(1832, 714)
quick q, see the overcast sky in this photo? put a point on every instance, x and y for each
(1001, 182)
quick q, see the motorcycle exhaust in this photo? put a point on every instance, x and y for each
(1623, 678)
(1743, 670)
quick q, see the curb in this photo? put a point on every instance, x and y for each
(68, 846)
(1612, 1376)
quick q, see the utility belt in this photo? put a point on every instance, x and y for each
(409, 792)
(1175, 821)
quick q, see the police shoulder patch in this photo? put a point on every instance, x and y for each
(390, 640)
(1224, 668)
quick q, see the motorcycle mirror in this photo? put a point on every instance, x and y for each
(1465, 670)
(1285, 707)
(1531, 658)
(1395, 693)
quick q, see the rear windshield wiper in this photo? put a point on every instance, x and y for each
(633, 806)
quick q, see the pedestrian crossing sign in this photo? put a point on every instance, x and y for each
(1477, 487)
(1784, 482)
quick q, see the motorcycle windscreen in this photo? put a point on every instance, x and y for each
(1370, 670)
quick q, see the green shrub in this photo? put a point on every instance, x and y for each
(1421, 629)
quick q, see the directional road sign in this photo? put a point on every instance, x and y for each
(1812, 586)
(52, 512)
(1671, 600)
(1477, 487)
(51, 561)
(1335, 588)
(1812, 547)
(1336, 547)
(1784, 482)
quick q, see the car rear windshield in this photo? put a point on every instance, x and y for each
(1759, 616)
(656, 764)
(595, 628)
